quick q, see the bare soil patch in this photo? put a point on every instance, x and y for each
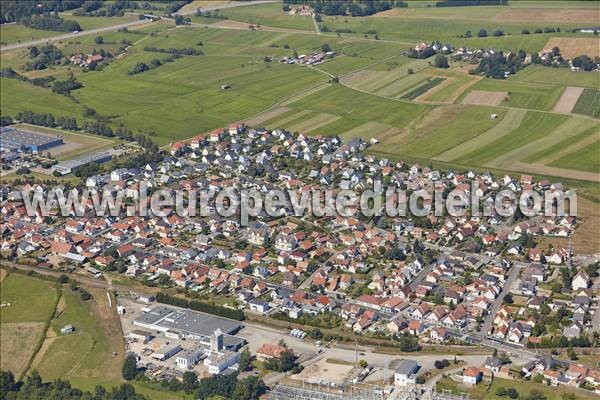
(573, 47)
(259, 119)
(323, 370)
(17, 343)
(582, 15)
(3, 274)
(568, 99)
(484, 98)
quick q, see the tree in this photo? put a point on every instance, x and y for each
(245, 360)
(363, 363)
(482, 33)
(441, 61)
(249, 388)
(500, 391)
(99, 40)
(525, 32)
(512, 393)
(535, 395)
(498, 32)
(325, 48)
(129, 370)
(63, 278)
(190, 381)
(7, 383)
(33, 52)
(468, 34)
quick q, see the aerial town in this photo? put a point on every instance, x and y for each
(299, 199)
(409, 283)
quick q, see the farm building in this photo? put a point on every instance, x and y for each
(12, 139)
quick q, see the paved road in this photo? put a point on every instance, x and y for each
(72, 35)
(117, 27)
(487, 324)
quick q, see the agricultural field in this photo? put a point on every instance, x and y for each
(16, 33)
(573, 47)
(534, 125)
(422, 89)
(588, 103)
(27, 304)
(557, 76)
(532, 96)
(269, 15)
(585, 159)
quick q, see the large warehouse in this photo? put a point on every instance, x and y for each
(12, 139)
(189, 324)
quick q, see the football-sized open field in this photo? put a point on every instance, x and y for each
(93, 353)
(27, 304)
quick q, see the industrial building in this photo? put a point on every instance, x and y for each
(189, 324)
(13, 139)
(66, 167)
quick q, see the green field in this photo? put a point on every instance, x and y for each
(27, 305)
(557, 76)
(422, 89)
(534, 126)
(533, 96)
(268, 15)
(588, 103)
(16, 33)
(586, 159)
(453, 126)
(84, 357)
(30, 299)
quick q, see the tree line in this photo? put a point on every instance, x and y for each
(43, 57)
(15, 10)
(141, 67)
(50, 22)
(214, 309)
(463, 3)
(33, 388)
(187, 51)
(355, 8)
(95, 127)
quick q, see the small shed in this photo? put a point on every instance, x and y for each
(67, 329)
